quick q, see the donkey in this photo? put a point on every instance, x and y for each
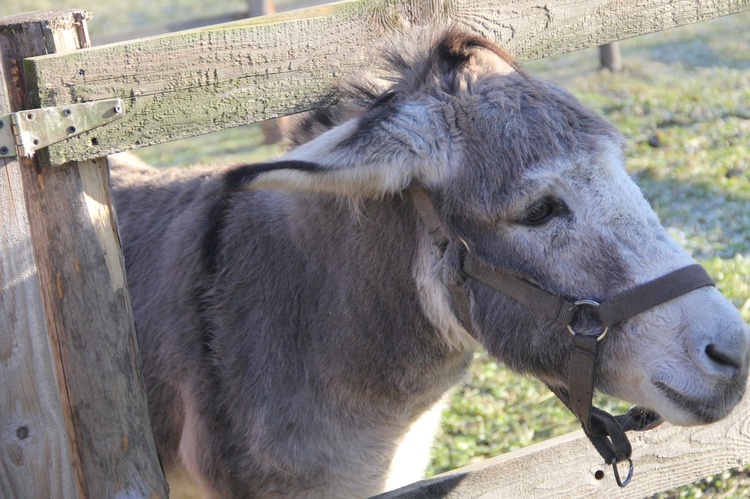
(298, 321)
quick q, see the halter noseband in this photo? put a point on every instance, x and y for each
(606, 432)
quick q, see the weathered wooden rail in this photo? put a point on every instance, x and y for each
(72, 411)
(569, 467)
(187, 83)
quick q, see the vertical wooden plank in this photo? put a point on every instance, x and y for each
(34, 457)
(610, 57)
(35, 460)
(83, 289)
(260, 7)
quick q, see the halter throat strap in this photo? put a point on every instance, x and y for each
(606, 432)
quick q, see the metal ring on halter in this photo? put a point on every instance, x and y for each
(622, 483)
(590, 303)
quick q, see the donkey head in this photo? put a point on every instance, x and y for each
(534, 184)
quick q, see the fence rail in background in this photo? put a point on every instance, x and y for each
(198, 81)
(56, 359)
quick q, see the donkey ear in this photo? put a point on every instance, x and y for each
(378, 153)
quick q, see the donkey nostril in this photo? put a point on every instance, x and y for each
(722, 358)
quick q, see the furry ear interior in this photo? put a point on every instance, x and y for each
(375, 154)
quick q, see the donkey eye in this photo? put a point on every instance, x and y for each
(542, 211)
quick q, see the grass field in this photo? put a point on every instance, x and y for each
(683, 101)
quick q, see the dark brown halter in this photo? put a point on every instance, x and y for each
(606, 432)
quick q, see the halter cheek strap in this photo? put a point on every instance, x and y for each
(606, 432)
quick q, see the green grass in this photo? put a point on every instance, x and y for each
(236, 145)
(683, 101)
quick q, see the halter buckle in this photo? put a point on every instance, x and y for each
(586, 303)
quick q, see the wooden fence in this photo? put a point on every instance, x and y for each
(73, 419)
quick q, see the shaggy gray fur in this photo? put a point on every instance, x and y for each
(291, 339)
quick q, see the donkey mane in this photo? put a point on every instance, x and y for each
(406, 69)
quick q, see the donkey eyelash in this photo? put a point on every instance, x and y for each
(543, 211)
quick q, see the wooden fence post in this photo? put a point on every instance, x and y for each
(260, 7)
(34, 457)
(93, 418)
(610, 57)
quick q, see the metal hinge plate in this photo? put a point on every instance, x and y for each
(25, 132)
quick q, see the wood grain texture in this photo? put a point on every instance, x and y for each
(194, 82)
(35, 460)
(565, 467)
(34, 457)
(83, 290)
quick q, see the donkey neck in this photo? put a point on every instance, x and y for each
(358, 318)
